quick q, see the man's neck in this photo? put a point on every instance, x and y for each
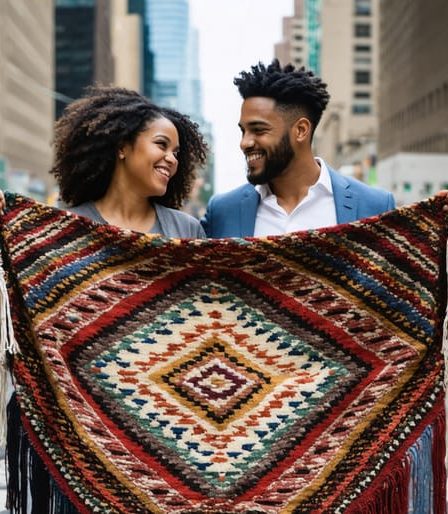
(292, 187)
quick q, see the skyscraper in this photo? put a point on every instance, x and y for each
(413, 98)
(174, 45)
(82, 47)
(176, 80)
(26, 95)
(140, 7)
(338, 40)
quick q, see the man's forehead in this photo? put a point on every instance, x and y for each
(260, 110)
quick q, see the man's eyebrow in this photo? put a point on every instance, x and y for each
(255, 123)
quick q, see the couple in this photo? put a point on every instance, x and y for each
(115, 150)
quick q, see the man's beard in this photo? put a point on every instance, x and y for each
(274, 166)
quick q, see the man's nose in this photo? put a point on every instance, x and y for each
(246, 142)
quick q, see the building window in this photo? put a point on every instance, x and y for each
(298, 37)
(363, 7)
(362, 94)
(361, 109)
(407, 187)
(427, 188)
(363, 60)
(363, 48)
(362, 30)
(362, 77)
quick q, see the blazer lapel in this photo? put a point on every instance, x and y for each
(248, 211)
(346, 200)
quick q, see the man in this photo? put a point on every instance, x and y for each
(289, 189)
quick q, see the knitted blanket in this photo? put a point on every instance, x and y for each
(293, 374)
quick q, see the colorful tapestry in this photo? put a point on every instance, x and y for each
(292, 374)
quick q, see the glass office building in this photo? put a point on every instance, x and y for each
(174, 46)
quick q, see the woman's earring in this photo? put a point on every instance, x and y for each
(121, 156)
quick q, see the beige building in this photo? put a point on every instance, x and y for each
(293, 47)
(413, 90)
(26, 88)
(349, 65)
(345, 46)
(127, 40)
(413, 99)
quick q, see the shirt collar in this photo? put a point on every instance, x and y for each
(323, 181)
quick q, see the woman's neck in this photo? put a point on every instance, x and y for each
(127, 210)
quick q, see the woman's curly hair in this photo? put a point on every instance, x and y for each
(93, 128)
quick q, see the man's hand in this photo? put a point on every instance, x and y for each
(444, 194)
(3, 202)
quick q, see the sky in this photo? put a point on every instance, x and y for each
(233, 35)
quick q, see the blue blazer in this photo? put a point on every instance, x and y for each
(233, 214)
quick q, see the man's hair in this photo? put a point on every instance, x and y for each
(297, 90)
(92, 129)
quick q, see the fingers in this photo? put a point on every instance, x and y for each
(2, 202)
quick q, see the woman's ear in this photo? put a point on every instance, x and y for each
(121, 154)
(302, 130)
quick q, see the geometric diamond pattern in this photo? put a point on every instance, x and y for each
(241, 378)
(216, 381)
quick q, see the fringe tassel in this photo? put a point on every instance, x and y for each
(445, 380)
(438, 465)
(30, 488)
(8, 344)
(391, 497)
(421, 483)
(417, 485)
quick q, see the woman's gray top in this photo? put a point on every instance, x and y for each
(169, 222)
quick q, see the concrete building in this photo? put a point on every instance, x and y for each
(413, 98)
(338, 40)
(349, 65)
(83, 53)
(26, 95)
(140, 7)
(294, 46)
(127, 46)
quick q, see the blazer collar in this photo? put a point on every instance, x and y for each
(345, 199)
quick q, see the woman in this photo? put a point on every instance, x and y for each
(121, 160)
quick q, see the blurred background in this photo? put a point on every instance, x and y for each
(384, 62)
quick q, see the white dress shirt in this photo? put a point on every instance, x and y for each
(316, 210)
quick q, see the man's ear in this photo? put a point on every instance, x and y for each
(301, 130)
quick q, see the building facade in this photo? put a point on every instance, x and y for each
(83, 48)
(413, 98)
(127, 46)
(413, 85)
(338, 40)
(349, 65)
(26, 95)
(293, 48)
(140, 8)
